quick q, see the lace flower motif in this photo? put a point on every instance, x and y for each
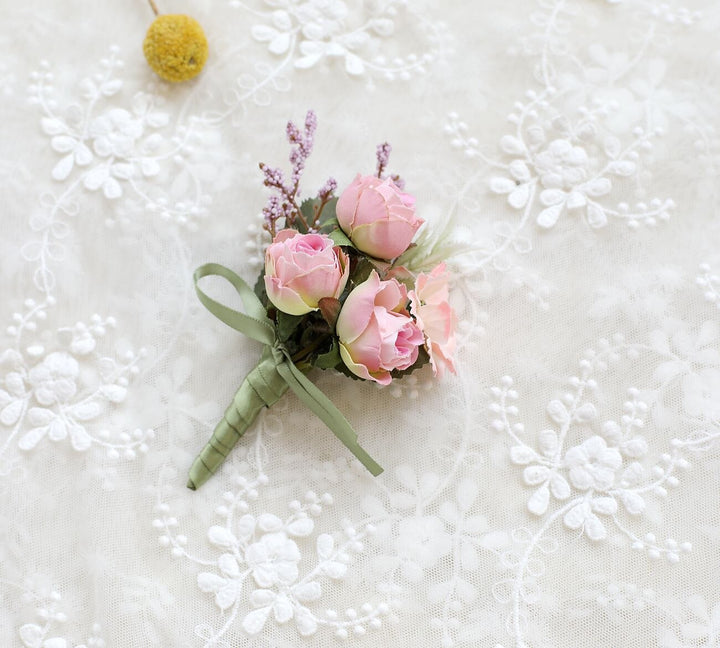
(592, 464)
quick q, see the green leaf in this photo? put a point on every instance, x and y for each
(382, 267)
(313, 333)
(307, 209)
(259, 289)
(361, 271)
(435, 244)
(329, 224)
(340, 238)
(327, 216)
(287, 324)
(331, 359)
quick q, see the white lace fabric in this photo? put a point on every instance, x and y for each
(559, 491)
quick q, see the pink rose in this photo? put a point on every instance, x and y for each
(433, 314)
(376, 332)
(379, 218)
(301, 269)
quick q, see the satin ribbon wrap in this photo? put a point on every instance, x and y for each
(264, 385)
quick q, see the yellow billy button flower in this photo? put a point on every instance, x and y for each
(175, 47)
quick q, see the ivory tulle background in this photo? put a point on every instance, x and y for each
(561, 491)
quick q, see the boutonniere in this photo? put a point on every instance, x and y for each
(334, 294)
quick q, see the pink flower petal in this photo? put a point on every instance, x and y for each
(357, 309)
(284, 298)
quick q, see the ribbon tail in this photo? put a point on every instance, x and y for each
(323, 408)
(262, 387)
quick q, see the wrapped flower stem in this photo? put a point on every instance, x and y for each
(265, 384)
(262, 387)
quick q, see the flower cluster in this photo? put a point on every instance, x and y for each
(335, 293)
(334, 282)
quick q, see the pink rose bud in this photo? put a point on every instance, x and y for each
(376, 332)
(301, 269)
(433, 314)
(379, 218)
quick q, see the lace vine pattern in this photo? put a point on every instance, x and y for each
(115, 151)
(593, 475)
(46, 629)
(308, 32)
(584, 134)
(57, 385)
(273, 568)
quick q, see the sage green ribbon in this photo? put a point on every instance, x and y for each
(265, 384)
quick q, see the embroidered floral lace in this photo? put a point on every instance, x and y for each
(560, 492)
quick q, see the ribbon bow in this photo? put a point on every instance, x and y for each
(265, 384)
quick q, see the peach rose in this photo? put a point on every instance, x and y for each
(433, 314)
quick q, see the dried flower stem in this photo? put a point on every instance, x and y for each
(325, 194)
(286, 204)
(383, 157)
(302, 220)
(153, 6)
(318, 210)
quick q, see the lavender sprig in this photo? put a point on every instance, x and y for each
(303, 146)
(324, 196)
(285, 205)
(383, 158)
(272, 212)
(327, 190)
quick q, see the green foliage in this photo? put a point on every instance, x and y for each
(340, 238)
(328, 212)
(259, 289)
(309, 210)
(286, 325)
(329, 224)
(330, 359)
(434, 245)
(360, 269)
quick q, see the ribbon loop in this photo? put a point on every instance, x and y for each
(256, 325)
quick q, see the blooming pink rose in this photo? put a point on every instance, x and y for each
(433, 314)
(379, 218)
(301, 269)
(376, 332)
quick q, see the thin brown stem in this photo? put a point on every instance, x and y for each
(299, 215)
(153, 6)
(319, 210)
(270, 229)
